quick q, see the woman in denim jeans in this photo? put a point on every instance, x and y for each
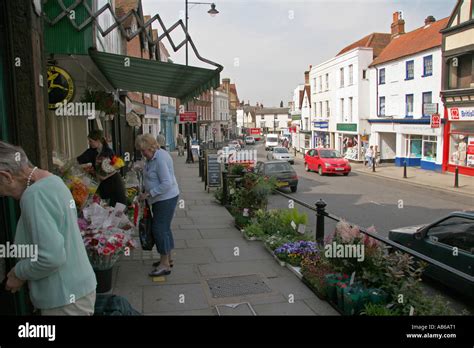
(162, 192)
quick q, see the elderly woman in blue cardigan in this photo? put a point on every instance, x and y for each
(162, 192)
(60, 277)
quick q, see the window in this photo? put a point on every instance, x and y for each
(350, 108)
(455, 231)
(320, 109)
(413, 146)
(320, 83)
(315, 107)
(427, 99)
(381, 106)
(351, 74)
(342, 108)
(382, 76)
(262, 117)
(328, 111)
(327, 82)
(342, 77)
(314, 85)
(460, 134)
(428, 66)
(364, 74)
(409, 105)
(410, 70)
(429, 148)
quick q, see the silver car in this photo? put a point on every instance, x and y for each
(281, 154)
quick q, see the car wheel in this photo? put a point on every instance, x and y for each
(346, 174)
(320, 171)
(306, 167)
(293, 188)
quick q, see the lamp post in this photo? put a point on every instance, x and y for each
(212, 12)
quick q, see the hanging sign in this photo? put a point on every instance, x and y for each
(60, 87)
(435, 121)
(190, 116)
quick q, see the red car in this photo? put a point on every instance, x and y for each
(326, 161)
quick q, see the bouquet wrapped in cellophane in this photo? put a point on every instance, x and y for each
(107, 233)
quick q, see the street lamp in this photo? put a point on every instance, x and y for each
(212, 12)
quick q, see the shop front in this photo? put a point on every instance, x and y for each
(321, 136)
(459, 140)
(348, 141)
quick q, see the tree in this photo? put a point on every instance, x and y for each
(281, 104)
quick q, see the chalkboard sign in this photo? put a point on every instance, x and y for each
(213, 170)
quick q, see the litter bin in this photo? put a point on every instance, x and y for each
(104, 280)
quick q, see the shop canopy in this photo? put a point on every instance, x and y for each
(155, 77)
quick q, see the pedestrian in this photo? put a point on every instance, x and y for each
(161, 141)
(112, 186)
(369, 156)
(162, 192)
(48, 221)
(180, 143)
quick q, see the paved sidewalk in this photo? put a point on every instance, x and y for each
(206, 242)
(415, 176)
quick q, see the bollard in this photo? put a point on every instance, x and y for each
(320, 213)
(373, 163)
(456, 177)
(200, 167)
(295, 152)
(405, 169)
(224, 187)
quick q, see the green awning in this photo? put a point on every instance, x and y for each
(151, 76)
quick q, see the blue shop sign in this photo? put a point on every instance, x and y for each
(321, 125)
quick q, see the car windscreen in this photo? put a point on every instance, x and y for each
(278, 168)
(329, 154)
(272, 139)
(280, 150)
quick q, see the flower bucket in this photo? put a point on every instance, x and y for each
(354, 300)
(330, 281)
(104, 280)
(340, 289)
(378, 296)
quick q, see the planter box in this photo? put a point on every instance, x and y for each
(247, 237)
(280, 262)
(319, 292)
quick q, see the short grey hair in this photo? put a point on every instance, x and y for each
(146, 142)
(161, 140)
(13, 158)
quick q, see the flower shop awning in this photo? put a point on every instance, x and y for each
(150, 76)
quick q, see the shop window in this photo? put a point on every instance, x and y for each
(429, 148)
(382, 76)
(410, 70)
(413, 146)
(461, 147)
(409, 105)
(427, 66)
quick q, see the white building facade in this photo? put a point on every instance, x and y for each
(340, 102)
(221, 115)
(404, 93)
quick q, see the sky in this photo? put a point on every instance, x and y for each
(266, 45)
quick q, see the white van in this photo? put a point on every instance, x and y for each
(271, 140)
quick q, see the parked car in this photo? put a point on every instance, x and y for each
(235, 144)
(271, 140)
(282, 171)
(326, 161)
(281, 154)
(250, 140)
(438, 241)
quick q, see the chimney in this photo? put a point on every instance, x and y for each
(429, 20)
(398, 25)
(306, 78)
(226, 83)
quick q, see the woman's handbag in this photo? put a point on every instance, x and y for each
(146, 235)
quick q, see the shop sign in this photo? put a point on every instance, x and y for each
(60, 87)
(430, 108)
(435, 121)
(470, 145)
(321, 125)
(255, 131)
(295, 117)
(190, 116)
(347, 127)
(461, 114)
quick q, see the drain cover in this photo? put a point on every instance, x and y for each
(237, 286)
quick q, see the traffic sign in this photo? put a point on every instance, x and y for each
(214, 130)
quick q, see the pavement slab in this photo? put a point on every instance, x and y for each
(296, 308)
(170, 298)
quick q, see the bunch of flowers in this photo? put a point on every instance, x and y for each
(294, 252)
(80, 192)
(110, 165)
